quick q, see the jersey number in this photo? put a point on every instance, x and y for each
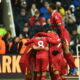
(41, 44)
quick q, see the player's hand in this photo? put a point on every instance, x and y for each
(36, 47)
(46, 48)
(26, 72)
(65, 46)
(63, 41)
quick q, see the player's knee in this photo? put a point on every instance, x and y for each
(38, 74)
(56, 72)
(44, 73)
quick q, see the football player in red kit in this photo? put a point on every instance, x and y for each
(42, 56)
(57, 61)
(25, 64)
(57, 22)
(28, 62)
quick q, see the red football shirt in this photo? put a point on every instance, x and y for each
(57, 22)
(56, 19)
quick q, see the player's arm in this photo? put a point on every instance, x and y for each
(40, 48)
(29, 41)
(41, 34)
(58, 20)
(59, 23)
(28, 48)
(53, 41)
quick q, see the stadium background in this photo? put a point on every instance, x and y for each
(9, 10)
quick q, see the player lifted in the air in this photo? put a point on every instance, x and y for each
(57, 23)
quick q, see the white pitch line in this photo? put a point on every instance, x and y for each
(78, 58)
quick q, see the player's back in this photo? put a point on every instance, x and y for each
(41, 42)
(57, 46)
(56, 18)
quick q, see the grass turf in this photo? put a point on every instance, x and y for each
(23, 79)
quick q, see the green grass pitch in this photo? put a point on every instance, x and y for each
(23, 79)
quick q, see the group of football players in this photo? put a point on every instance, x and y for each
(48, 51)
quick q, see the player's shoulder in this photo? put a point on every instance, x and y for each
(57, 14)
(37, 38)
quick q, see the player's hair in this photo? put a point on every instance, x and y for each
(46, 28)
(53, 6)
(34, 30)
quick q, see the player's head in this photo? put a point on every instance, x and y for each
(34, 30)
(47, 28)
(38, 29)
(51, 7)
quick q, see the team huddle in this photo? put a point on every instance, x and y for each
(48, 51)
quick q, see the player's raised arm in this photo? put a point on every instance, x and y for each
(53, 41)
(30, 41)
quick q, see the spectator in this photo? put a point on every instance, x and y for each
(36, 19)
(23, 4)
(72, 8)
(33, 9)
(39, 3)
(70, 21)
(3, 30)
(22, 45)
(49, 22)
(76, 2)
(75, 39)
(25, 32)
(8, 41)
(44, 12)
(14, 47)
(2, 46)
(77, 14)
(20, 21)
(60, 9)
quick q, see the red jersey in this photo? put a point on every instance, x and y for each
(54, 36)
(53, 47)
(56, 19)
(57, 22)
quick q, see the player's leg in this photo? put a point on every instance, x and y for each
(63, 67)
(44, 67)
(67, 54)
(55, 75)
(38, 68)
(28, 77)
(38, 76)
(63, 78)
(33, 66)
(70, 60)
(44, 74)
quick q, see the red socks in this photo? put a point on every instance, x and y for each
(43, 78)
(70, 59)
(38, 77)
(56, 77)
(64, 79)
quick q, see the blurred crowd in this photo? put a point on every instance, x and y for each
(30, 13)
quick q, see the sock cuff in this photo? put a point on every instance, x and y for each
(68, 54)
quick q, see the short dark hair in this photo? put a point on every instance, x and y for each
(53, 6)
(46, 28)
